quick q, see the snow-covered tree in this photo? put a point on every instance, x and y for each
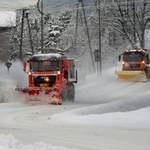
(55, 30)
(54, 26)
(130, 20)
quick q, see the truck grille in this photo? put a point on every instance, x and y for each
(134, 66)
(39, 80)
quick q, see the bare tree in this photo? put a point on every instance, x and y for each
(130, 19)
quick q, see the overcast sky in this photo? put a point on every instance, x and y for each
(15, 4)
(7, 10)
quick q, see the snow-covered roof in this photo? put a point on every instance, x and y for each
(7, 19)
(49, 56)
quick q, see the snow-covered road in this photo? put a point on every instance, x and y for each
(107, 115)
(32, 124)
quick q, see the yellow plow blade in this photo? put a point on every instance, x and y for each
(131, 75)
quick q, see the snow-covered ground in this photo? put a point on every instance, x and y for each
(107, 115)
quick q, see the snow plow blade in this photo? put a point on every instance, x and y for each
(131, 75)
(45, 95)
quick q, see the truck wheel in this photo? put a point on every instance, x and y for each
(71, 92)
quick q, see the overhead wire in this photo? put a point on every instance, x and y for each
(10, 6)
(59, 4)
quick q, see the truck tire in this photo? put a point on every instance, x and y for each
(71, 92)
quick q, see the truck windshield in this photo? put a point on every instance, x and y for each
(44, 66)
(132, 57)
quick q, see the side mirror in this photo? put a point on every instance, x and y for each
(119, 58)
(148, 57)
(24, 66)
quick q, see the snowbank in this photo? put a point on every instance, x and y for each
(118, 103)
(8, 142)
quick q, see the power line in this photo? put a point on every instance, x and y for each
(11, 6)
(59, 4)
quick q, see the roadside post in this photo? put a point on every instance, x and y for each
(8, 65)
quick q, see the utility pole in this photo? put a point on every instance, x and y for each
(100, 52)
(77, 16)
(8, 65)
(41, 12)
(87, 30)
(25, 14)
(30, 37)
(134, 22)
(21, 36)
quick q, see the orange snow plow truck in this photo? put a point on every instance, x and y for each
(51, 78)
(134, 65)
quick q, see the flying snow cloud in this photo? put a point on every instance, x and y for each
(9, 79)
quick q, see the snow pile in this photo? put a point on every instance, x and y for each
(8, 142)
(134, 119)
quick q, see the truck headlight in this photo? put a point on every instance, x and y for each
(46, 79)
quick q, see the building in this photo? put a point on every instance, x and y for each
(7, 22)
(4, 43)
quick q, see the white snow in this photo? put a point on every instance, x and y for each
(8, 142)
(125, 104)
(46, 56)
(7, 18)
(105, 114)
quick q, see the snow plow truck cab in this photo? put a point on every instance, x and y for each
(51, 78)
(134, 65)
